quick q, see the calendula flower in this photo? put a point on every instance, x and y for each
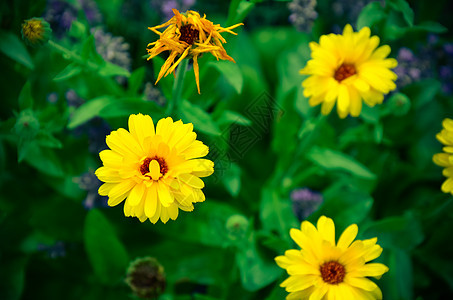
(446, 159)
(347, 69)
(36, 31)
(323, 269)
(157, 170)
(188, 36)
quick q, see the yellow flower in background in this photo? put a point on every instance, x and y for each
(323, 269)
(188, 36)
(157, 170)
(346, 69)
(446, 159)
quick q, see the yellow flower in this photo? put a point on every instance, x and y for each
(325, 270)
(156, 170)
(446, 159)
(36, 31)
(188, 36)
(347, 69)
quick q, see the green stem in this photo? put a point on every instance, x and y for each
(70, 55)
(177, 87)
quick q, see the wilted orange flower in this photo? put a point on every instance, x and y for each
(188, 36)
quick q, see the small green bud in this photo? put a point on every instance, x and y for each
(27, 125)
(36, 31)
(146, 277)
(237, 227)
(399, 104)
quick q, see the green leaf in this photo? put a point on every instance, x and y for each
(333, 160)
(403, 7)
(126, 106)
(231, 72)
(231, 117)
(25, 97)
(71, 70)
(89, 110)
(276, 213)
(110, 69)
(12, 277)
(106, 253)
(429, 26)
(206, 225)
(256, 271)
(46, 139)
(370, 15)
(201, 120)
(136, 80)
(12, 47)
(231, 179)
(422, 92)
(401, 232)
(238, 10)
(44, 160)
(89, 53)
(345, 204)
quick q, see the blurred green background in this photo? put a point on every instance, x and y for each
(277, 160)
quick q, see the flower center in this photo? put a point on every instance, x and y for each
(188, 34)
(145, 167)
(332, 272)
(344, 71)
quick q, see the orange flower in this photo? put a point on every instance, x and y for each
(188, 36)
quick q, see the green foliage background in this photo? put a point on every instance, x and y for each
(375, 170)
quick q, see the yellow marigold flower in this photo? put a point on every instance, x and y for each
(157, 170)
(446, 159)
(35, 31)
(347, 69)
(188, 36)
(323, 269)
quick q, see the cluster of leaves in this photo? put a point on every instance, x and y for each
(265, 140)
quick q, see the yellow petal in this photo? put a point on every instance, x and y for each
(348, 236)
(136, 195)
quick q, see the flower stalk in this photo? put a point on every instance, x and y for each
(177, 88)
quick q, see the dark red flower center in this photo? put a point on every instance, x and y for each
(188, 34)
(344, 71)
(144, 168)
(332, 272)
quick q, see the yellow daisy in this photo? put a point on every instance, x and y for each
(188, 36)
(156, 170)
(323, 269)
(347, 69)
(446, 159)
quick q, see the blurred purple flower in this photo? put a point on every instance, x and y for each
(72, 99)
(90, 183)
(166, 7)
(60, 14)
(303, 14)
(91, 10)
(411, 67)
(53, 251)
(113, 49)
(152, 93)
(52, 97)
(349, 10)
(305, 202)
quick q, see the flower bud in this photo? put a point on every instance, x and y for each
(146, 277)
(36, 31)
